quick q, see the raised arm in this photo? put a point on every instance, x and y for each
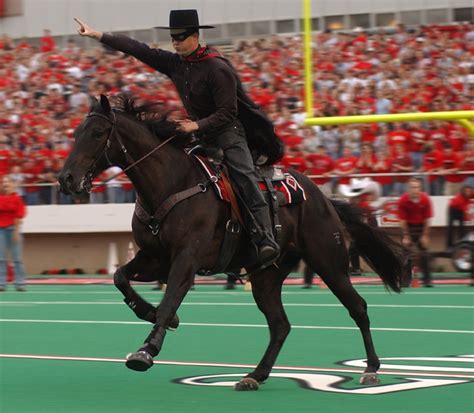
(158, 59)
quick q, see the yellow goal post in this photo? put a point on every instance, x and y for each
(461, 116)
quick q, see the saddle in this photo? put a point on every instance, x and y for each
(272, 179)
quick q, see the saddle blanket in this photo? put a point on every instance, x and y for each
(292, 191)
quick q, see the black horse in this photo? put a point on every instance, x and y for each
(190, 237)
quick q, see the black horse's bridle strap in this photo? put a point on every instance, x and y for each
(155, 221)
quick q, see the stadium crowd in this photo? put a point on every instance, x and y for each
(44, 95)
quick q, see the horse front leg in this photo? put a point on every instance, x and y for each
(180, 280)
(141, 268)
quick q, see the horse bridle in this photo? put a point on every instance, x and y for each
(89, 176)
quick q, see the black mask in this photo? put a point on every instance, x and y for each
(183, 36)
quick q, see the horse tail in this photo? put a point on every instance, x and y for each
(380, 251)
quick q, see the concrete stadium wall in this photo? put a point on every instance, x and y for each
(124, 15)
(90, 251)
(78, 236)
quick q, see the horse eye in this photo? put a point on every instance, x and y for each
(99, 133)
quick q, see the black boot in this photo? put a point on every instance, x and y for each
(268, 253)
(268, 250)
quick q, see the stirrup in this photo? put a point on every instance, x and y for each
(270, 260)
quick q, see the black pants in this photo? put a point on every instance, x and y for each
(419, 252)
(454, 214)
(244, 179)
(308, 275)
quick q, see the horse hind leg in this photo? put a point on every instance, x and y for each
(339, 283)
(266, 290)
(326, 254)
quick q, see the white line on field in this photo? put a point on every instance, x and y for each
(411, 330)
(111, 290)
(463, 307)
(227, 365)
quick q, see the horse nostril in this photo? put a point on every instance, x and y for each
(65, 182)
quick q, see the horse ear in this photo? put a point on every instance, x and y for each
(93, 103)
(104, 102)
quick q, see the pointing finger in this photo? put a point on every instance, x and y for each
(78, 21)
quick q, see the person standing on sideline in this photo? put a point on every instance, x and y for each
(458, 210)
(415, 211)
(12, 211)
(219, 113)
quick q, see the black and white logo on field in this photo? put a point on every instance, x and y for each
(402, 373)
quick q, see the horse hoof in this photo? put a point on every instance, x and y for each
(369, 379)
(174, 323)
(139, 361)
(247, 384)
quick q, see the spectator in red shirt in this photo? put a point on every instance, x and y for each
(398, 136)
(415, 211)
(368, 133)
(432, 163)
(294, 159)
(458, 210)
(47, 43)
(321, 164)
(12, 211)
(31, 171)
(345, 166)
(418, 137)
(48, 177)
(6, 155)
(384, 167)
(438, 135)
(468, 163)
(367, 160)
(457, 138)
(401, 163)
(450, 165)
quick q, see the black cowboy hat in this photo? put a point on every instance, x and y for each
(184, 19)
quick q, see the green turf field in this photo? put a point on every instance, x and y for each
(82, 334)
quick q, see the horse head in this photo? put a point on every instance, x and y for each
(92, 141)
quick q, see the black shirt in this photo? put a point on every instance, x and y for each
(208, 88)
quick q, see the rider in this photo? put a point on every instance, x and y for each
(212, 94)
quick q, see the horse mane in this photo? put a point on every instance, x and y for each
(150, 115)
